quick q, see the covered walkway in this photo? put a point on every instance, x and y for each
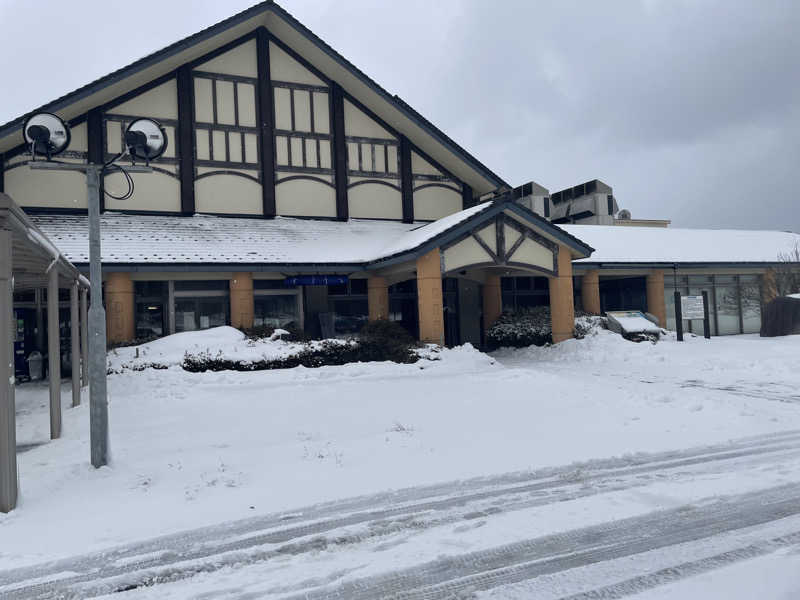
(28, 261)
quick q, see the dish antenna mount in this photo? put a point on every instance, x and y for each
(46, 134)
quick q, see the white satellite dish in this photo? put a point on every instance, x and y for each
(145, 139)
(46, 133)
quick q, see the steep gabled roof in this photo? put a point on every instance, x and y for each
(268, 14)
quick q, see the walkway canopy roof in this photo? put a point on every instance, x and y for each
(204, 243)
(33, 254)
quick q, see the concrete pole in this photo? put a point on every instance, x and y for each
(98, 401)
(8, 428)
(54, 353)
(84, 338)
(75, 344)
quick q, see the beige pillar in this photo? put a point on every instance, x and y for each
(590, 291)
(119, 308)
(429, 298)
(242, 305)
(378, 298)
(562, 307)
(656, 304)
(769, 287)
(492, 301)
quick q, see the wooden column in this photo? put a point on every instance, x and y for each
(8, 427)
(75, 344)
(242, 301)
(590, 291)
(84, 337)
(429, 298)
(378, 298)
(266, 123)
(406, 180)
(185, 135)
(562, 308)
(492, 301)
(656, 304)
(119, 308)
(54, 354)
(339, 152)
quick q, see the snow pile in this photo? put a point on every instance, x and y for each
(221, 343)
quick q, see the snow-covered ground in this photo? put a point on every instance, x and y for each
(527, 457)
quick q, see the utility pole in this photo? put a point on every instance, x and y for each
(98, 398)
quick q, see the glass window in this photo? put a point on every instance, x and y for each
(276, 310)
(150, 319)
(200, 313)
(751, 308)
(697, 324)
(349, 315)
(358, 286)
(201, 286)
(727, 304)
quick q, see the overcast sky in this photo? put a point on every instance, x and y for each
(689, 110)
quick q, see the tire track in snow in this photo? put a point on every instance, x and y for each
(685, 570)
(161, 558)
(458, 576)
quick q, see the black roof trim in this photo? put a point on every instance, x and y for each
(202, 35)
(587, 264)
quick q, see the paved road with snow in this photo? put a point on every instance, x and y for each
(683, 540)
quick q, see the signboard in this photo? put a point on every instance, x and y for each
(692, 307)
(316, 280)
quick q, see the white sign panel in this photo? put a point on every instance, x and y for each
(692, 307)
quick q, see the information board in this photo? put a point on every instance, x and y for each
(692, 307)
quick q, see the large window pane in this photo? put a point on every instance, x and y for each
(200, 313)
(751, 308)
(350, 315)
(276, 311)
(727, 309)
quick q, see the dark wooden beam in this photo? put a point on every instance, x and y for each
(266, 122)
(466, 196)
(339, 152)
(186, 138)
(406, 180)
(95, 140)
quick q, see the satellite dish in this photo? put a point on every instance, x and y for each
(145, 139)
(47, 134)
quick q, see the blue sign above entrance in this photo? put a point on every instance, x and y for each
(316, 280)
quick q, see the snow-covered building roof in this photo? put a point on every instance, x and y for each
(656, 245)
(205, 239)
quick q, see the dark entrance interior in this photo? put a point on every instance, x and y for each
(623, 293)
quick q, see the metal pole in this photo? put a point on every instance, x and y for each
(75, 344)
(84, 338)
(54, 353)
(8, 428)
(706, 323)
(98, 402)
(678, 315)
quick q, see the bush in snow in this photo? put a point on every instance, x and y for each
(378, 341)
(532, 327)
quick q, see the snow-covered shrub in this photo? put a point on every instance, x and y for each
(266, 332)
(532, 327)
(377, 341)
